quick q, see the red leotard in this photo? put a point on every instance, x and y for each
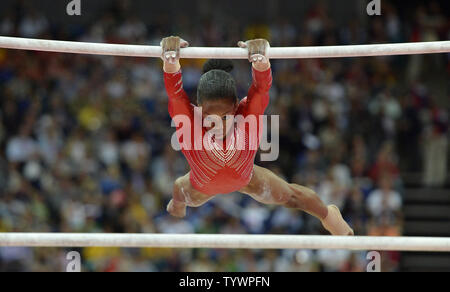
(213, 170)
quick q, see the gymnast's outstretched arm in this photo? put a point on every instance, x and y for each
(258, 95)
(179, 102)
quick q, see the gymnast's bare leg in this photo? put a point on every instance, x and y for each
(184, 195)
(267, 188)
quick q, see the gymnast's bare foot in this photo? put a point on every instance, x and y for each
(176, 209)
(335, 224)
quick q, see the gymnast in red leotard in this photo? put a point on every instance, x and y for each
(221, 153)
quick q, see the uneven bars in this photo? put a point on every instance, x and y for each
(226, 53)
(222, 241)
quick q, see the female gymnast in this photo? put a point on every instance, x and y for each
(225, 169)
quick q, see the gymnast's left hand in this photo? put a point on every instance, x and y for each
(258, 50)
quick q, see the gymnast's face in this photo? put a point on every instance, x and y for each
(219, 109)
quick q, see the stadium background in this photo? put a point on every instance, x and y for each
(84, 140)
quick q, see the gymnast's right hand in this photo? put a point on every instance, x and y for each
(171, 47)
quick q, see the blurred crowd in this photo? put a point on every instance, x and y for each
(85, 140)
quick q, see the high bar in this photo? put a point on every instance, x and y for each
(226, 53)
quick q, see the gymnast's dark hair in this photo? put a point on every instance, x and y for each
(216, 82)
